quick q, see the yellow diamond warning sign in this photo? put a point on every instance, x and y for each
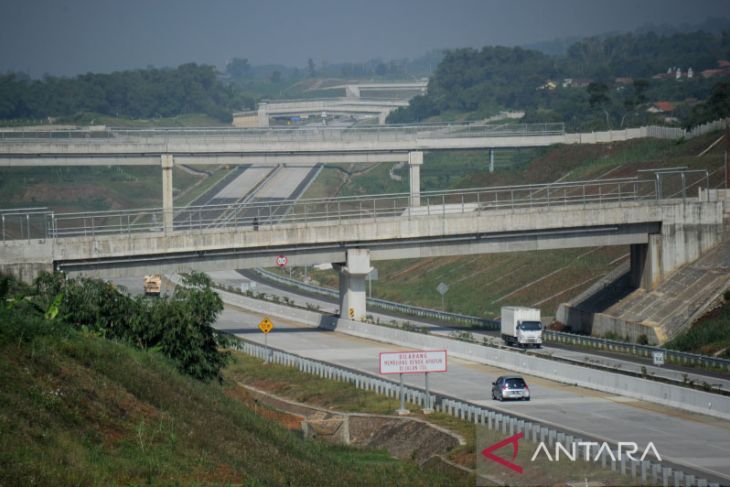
(266, 325)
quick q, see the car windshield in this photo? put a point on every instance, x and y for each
(530, 326)
(515, 383)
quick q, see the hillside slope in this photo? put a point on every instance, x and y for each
(77, 409)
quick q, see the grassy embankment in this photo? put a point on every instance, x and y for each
(68, 189)
(710, 335)
(340, 396)
(77, 409)
(480, 285)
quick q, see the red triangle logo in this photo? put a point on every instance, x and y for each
(514, 440)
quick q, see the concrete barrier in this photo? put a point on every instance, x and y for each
(643, 389)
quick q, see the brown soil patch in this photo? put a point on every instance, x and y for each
(289, 421)
(465, 458)
(222, 473)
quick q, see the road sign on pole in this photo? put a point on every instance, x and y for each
(442, 288)
(658, 358)
(281, 261)
(266, 326)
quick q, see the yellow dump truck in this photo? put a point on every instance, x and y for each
(152, 285)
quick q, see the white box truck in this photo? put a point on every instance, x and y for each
(521, 326)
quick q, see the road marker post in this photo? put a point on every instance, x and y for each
(402, 411)
(266, 326)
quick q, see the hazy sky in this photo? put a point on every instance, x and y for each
(73, 36)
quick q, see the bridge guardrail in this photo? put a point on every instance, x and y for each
(246, 215)
(381, 132)
(675, 356)
(507, 424)
(388, 132)
(26, 224)
(552, 336)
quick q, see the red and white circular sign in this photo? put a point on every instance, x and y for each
(281, 260)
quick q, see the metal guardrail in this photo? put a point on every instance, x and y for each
(274, 134)
(350, 210)
(388, 132)
(334, 101)
(386, 305)
(674, 356)
(26, 223)
(645, 471)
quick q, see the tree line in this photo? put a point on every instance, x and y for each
(579, 88)
(143, 93)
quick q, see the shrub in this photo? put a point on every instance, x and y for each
(180, 326)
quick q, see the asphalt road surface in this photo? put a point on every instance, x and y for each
(696, 441)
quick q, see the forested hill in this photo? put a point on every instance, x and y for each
(642, 56)
(144, 93)
(601, 82)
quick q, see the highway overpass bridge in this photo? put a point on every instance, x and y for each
(306, 147)
(328, 106)
(358, 89)
(663, 234)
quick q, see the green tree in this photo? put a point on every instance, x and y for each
(238, 68)
(188, 334)
(717, 105)
(180, 326)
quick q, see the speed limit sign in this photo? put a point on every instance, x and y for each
(281, 260)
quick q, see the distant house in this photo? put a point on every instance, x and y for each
(549, 85)
(664, 110)
(576, 82)
(661, 107)
(624, 81)
(675, 73)
(722, 70)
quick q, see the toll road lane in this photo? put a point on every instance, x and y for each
(679, 437)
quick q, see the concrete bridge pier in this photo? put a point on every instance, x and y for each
(262, 116)
(415, 161)
(352, 284)
(167, 161)
(383, 116)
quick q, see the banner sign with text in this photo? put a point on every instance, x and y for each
(413, 362)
